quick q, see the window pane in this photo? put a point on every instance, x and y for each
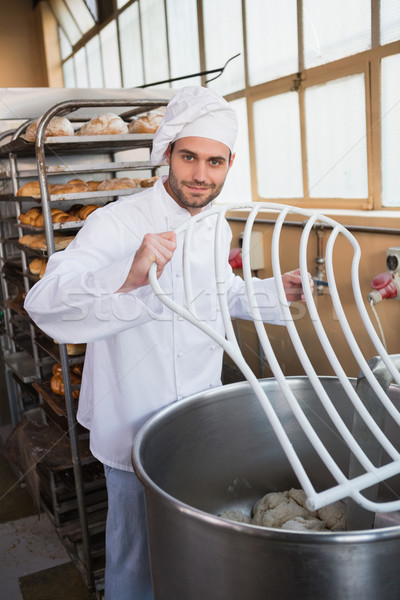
(121, 3)
(237, 187)
(65, 46)
(333, 30)
(390, 21)
(109, 50)
(81, 69)
(182, 17)
(154, 38)
(271, 39)
(278, 146)
(69, 73)
(336, 139)
(82, 15)
(223, 39)
(94, 63)
(67, 22)
(391, 130)
(131, 46)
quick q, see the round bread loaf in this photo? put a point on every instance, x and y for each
(145, 183)
(32, 188)
(148, 123)
(58, 126)
(117, 184)
(106, 124)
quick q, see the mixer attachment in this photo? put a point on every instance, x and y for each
(373, 457)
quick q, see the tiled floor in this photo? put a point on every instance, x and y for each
(27, 546)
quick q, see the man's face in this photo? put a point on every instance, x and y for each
(197, 171)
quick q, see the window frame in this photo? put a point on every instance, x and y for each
(366, 62)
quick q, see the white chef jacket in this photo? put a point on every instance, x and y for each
(140, 356)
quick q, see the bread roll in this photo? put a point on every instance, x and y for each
(93, 185)
(74, 210)
(43, 268)
(30, 189)
(39, 220)
(117, 184)
(145, 183)
(148, 123)
(58, 126)
(27, 240)
(106, 124)
(62, 241)
(72, 187)
(57, 384)
(38, 241)
(87, 210)
(29, 217)
(35, 266)
(57, 369)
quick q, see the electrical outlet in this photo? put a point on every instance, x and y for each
(257, 257)
(393, 259)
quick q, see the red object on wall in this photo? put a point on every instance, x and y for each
(385, 284)
(235, 258)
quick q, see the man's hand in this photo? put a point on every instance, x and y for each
(292, 285)
(155, 248)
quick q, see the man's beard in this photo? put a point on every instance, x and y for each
(190, 202)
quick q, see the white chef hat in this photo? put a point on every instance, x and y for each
(195, 111)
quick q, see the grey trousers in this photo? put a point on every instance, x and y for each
(127, 575)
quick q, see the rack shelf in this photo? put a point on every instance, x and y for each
(94, 144)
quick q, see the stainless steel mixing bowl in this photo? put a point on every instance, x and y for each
(216, 450)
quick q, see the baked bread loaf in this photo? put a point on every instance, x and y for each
(38, 241)
(124, 183)
(57, 382)
(58, 126)
(148, 123)
(106, 124)
(38, 266)
(74, 210)
(27, 240)
(71, 187)
(93, 185)
(32, 188)
(87, 210)
(30, 216)
(145, 183)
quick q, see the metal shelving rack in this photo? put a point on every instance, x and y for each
(77, 510)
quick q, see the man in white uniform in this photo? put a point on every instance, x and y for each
(140, 357)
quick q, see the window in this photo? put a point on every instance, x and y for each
(278, 146)
(272, 45)
(183, 48)
(315, 83)
(336, 111)
(333, 30)
(110, 56)
(131, 46)
(154, 37)
(390, 119)
(223, 37)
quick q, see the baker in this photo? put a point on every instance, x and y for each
(141, 357)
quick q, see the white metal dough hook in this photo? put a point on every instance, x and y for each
(372, 474)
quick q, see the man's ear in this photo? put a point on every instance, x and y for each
(168, 153)
(232, 159)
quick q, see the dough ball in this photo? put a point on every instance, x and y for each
(334, 516)
(282, 513)
(302, 524)
(266, 503)
(235, 514)
(300, 497)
